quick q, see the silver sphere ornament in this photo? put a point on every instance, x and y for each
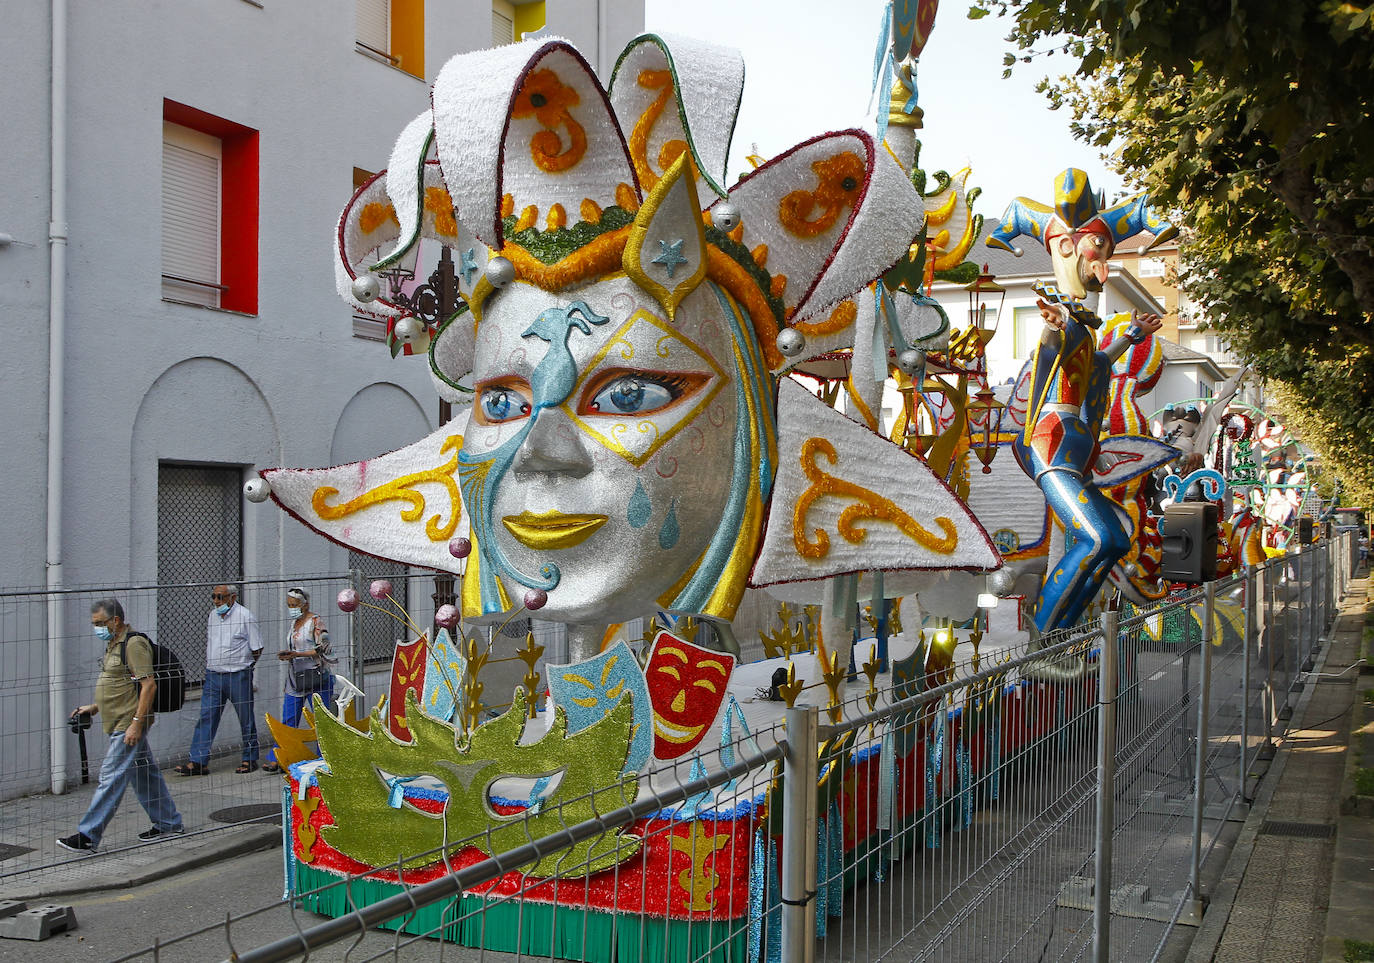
(725, 216)
(500, 271)
(1001, 582)
(536, 599)
(257, 490)
(791, 342)
(911, 360)
(366, 288)
(459, 547)
(408, 330)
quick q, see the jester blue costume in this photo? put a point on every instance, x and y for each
(1070, 383)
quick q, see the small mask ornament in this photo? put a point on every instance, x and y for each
(687, 689)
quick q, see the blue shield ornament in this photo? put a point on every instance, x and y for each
(589, 689)
(443, 678)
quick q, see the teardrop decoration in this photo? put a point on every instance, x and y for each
(639, 509)
(668, 534)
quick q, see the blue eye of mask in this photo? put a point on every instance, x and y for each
(503, 404)
(632, 395)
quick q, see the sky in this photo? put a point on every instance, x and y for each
(809, 66)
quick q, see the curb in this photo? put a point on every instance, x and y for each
(115, 873)
(1223, 898)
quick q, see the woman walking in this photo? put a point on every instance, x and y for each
(307, 651)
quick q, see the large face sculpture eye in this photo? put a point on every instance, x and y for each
(621, 392)
(503, 400)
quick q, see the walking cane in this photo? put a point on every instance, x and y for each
(80, 722)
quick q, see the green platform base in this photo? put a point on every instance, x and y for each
(537, 929)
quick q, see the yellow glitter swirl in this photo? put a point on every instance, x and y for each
(870, 506)
(403, 489)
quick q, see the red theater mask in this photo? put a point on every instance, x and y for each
(686, 689)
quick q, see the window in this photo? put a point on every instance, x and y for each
(199, 539)
(502, 23)
(209, 210)
(1025, 325)
(393, 31)
(1151, 267)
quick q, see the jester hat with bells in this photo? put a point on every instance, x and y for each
(619, 347)
(1078, 231)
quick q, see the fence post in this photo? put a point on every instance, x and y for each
(800, 774)
(1247, 640)
(355, 642)
(1107, 671)
(1200, 768)
(1263, 598)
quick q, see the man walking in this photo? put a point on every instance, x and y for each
(232, 647)
(124, 699)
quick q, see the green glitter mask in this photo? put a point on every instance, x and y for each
(368, 829)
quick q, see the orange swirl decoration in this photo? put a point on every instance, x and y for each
(868, 506)
(661, 80)
(840, 176)
(547, 99)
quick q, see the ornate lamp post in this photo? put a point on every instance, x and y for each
(984, 414)
(981, 294)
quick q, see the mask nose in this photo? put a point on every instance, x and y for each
(553, 447)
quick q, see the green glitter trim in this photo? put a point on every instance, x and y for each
(963, 273)
(550, 247)
(462, 310)
(738, 253)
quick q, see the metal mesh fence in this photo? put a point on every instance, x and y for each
(1051, 801)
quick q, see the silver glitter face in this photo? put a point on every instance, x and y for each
(623, 477)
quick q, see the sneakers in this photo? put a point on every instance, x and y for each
(77, 843)
(148, 835)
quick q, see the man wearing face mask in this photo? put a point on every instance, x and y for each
(233, 645)
(124, 700)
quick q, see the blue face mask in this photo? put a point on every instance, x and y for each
(222, 610)
(103, 633)
(295, 612)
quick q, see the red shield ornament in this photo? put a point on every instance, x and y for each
(687, 685)
(407, 675)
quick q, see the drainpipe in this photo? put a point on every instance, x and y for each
(58, 697)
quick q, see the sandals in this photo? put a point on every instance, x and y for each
(246, 767)
(191, 769)
(271, 767)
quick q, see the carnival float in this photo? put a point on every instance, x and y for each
(645, 366)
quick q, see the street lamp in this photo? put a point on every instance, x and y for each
(980, 294)
(984, 414)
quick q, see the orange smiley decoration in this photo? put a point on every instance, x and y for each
(686, 689)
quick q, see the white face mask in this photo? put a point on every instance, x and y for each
(295, 612)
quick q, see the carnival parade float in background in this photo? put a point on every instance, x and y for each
(642, 360)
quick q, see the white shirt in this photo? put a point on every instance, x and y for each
(231, 639)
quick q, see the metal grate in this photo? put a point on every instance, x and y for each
(262, 812)
(378, 631)
(199, 539)
(1278, 827)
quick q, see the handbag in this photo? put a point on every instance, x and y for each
(313, 679)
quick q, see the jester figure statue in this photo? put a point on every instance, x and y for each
(1070, 380)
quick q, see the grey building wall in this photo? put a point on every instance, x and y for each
(149, 381)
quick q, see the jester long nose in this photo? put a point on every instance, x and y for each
(553, 447)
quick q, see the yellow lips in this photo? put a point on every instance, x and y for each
(675, 734)
(550, 530)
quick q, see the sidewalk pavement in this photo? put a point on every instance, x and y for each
(34, 823)
(1300, 878)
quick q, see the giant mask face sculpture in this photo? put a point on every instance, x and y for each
(620, 345)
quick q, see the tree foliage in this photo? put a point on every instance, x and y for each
(1250, 119)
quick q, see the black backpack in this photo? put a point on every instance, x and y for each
(167, 673)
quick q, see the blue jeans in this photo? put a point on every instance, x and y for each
(291, 706)
(221, 688)
(123, 763)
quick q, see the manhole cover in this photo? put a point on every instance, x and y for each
(1276, 827)
(259, 812)
(9, 852)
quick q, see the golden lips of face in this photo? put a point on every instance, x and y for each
(551, 530)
